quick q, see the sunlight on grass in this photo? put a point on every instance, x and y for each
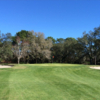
(56, 64)
(49, 82)
(19, 67)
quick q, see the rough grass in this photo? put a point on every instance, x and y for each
(49, 82)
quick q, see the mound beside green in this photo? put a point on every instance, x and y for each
(49, 82)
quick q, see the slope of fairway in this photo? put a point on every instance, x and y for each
(49, 82)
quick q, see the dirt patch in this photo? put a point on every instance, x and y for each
(96, 67)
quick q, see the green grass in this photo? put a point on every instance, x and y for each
(49, 82)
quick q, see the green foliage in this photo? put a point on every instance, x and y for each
(39, 49)
(60, 40)
(1, 59)
(13, 40)
(53, 40)
(23, 34)
(5, 46)
(70, 38)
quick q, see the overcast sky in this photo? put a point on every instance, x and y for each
(56, 18)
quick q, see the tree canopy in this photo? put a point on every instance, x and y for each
(33, 47)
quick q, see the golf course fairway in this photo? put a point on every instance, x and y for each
(49, 82)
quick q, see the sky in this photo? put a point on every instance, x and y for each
(56, 18)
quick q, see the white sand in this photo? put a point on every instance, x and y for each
(5, 66)
(95, 68)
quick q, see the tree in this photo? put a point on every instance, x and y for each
(70, 50)
(96, 45)
(90, 43)
(40, 47)
(52, 39)
(5, 46)
(20, 49)
(23, 34)
(58, 50)
(60, 40)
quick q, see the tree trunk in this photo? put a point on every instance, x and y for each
(18, 60)
(27, 61)
(24, 60)
(95, 60)
(36, 60)
(90, 60)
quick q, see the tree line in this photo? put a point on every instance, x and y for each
(33, 47)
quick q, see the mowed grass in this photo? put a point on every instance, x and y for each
(49, 82)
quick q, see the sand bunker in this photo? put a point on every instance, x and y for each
(95, 68)
(5, 66)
